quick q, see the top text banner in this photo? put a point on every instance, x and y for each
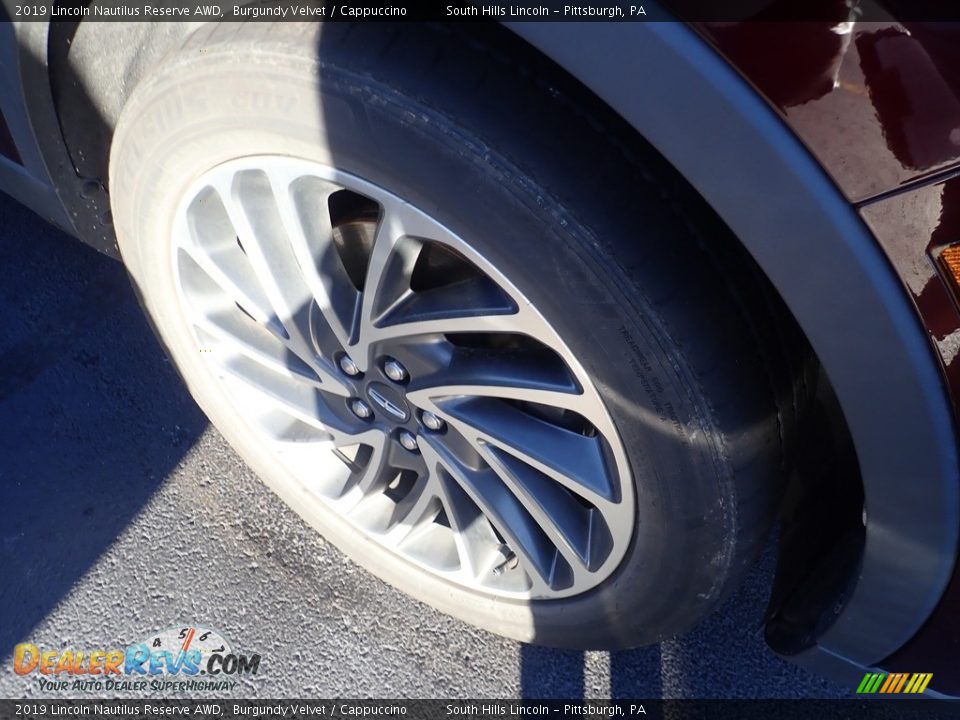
(308, 10)
(838, 12)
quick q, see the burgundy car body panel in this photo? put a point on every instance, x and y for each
(878, 104)
(913, 228)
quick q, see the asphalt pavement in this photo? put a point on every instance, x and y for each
(125, 513)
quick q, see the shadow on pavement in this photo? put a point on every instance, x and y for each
(723, 656)
(561, 674)
(93, 417)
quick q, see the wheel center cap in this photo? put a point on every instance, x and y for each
(389, 401)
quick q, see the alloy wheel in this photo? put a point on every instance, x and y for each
(402, 379)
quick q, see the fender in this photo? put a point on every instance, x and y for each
(732, 147)
(27, 176)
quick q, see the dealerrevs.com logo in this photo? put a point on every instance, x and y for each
(183, 659)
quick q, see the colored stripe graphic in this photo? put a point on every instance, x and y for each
(891, 680)
(903, 680)
(894, 683)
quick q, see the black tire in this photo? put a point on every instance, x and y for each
(697, 364)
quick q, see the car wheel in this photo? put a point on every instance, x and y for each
(494, 354)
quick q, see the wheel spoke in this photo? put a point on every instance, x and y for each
(387, 279)
(505, 378)
(234, 276)
(454, 323)
(563, 518)
(567, 522)
(476, 541)
(368, 481)
(303, 211)
(575, 461)
(235, 333)
(373, 472)
(252, 210)
(416, 511)
(295, 398)
(434, 397)
(522, 533)
(393, 309)
(504, 373)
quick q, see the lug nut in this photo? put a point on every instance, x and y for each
(395, 371)
(361, 409)
(408, 441)
(431, 421)
(349, 366)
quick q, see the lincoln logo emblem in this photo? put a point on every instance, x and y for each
(388, 405)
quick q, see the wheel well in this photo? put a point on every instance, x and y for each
(94, 68)
(91, 79)
(820, 547)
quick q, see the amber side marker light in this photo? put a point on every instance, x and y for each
(950, 260)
